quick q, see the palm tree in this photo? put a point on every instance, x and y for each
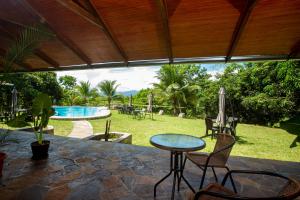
(85, 90)
(22, 48)
(109, 89)
(71, 97)
(173, 86)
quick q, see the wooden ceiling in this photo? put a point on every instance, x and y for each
(116, 33)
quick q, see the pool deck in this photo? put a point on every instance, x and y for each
(85, 169)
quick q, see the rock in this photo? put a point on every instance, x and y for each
(161, 112)
(181, 115)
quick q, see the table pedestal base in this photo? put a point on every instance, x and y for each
(176, 167)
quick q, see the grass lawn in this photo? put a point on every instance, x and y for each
(61, 127)
(253, 141)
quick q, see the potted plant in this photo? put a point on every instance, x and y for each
(41, 112)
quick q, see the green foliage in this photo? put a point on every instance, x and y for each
(68, 82)
(262, 92)
(29, 85)
(41, 112)
(178, 85)
(86, 92)
(24, 46)
(108, 88)
(18, 122)
(71, 97)
(141, 97)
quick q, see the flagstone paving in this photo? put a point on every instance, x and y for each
(81, 129)
(83, 169)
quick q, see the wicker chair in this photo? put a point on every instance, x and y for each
(210, 126)
(289, 190)
(217, 159)
(232, 122)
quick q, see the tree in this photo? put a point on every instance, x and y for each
(35, 83)
(261, 92)
(71, 97)
(178, 84)
(68, 82)
(86, 91)
(142, 96)
(109, 89)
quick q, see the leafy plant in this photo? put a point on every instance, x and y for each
(41, 113)
(24, 46)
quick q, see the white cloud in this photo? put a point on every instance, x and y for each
(131, 78)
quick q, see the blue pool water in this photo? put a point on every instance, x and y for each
(77, 111)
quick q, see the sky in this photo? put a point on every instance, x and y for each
(131, 78)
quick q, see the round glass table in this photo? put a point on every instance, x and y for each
(177, 144)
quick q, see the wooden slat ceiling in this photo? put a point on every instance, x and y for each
(116, 33)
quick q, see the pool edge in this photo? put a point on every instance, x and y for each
(81, 118)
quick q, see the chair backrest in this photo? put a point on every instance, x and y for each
(233, 122)
(209, 123)
(222, 148)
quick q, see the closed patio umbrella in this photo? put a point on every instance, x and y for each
(14, 101)
(221, 115)
(150, 104)
(130, 100)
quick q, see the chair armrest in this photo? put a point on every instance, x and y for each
(290, 196)
(252, 172)
(214, 194)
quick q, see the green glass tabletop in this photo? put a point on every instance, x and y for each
(177, 142)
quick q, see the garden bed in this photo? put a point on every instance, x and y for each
(119, 137)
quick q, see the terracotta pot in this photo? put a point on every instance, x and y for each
(40, 151)
(2, 157)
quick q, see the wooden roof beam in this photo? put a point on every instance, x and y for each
(162, 4)
(64, 39)
(95, 18)
(39, 53)
(239, 28)
(295, 50)
(109, 33)
(74, 7)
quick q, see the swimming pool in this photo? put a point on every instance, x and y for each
(80, 112)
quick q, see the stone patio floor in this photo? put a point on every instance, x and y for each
(81, 169)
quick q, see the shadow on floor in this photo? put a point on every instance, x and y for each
(242, 140)
(292, 126)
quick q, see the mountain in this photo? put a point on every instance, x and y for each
(128, 93)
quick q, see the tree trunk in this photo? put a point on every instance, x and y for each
(109, 101)
(174, 106)
(179, 106)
